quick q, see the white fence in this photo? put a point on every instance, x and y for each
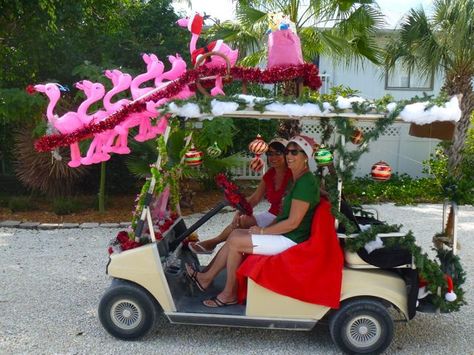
(404, 153)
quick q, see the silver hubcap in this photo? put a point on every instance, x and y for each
(363, 331)
(125, 314)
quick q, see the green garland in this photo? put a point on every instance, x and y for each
(164, 176)
(429, 270)
(364, 237)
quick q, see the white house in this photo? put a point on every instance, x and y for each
(402, 151)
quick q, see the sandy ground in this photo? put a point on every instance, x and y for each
(51, 283)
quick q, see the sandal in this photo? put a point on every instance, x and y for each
(193, 278)
(197, 248)
(218, 303)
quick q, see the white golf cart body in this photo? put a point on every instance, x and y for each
(362, 323)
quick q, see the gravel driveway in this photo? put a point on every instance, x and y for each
(51, 283)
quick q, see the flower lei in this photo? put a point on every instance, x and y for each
(308, 72)
(233, 195)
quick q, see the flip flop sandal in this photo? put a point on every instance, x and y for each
(194, 280)
(197, 248)
(218, 303)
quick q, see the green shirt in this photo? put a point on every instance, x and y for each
(306, 189)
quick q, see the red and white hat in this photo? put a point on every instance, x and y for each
(306, 143)
(195, 24)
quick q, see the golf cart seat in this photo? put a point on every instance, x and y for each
(385, 258)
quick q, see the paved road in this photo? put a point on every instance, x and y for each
(51, 283)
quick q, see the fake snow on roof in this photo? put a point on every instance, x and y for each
(417, 113)
(412, 113)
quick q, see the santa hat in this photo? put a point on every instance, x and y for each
(280, 140)
(195, 24)
(306, 143)
(449, 296)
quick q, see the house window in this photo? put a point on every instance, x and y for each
(401, 78)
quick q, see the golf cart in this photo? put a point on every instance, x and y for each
(151, 279)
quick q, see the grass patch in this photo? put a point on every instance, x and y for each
(64, 206)
(22, 204)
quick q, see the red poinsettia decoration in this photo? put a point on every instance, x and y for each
(123, 242)
(233, 195)
(30, 90)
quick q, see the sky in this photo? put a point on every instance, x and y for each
(222, 9)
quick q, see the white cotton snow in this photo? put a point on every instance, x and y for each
(219, 108)
(250, 99)
(327, 107)
(416, 113)
(346, 102)
(188, 110)
(297, 110)
(391, 106)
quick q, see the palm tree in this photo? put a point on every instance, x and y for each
(442, 42)
(338, 28)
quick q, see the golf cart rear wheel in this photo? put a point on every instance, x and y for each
(127, 311)
(362, 326)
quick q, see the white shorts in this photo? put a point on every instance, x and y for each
(270, 244)
(264, 219)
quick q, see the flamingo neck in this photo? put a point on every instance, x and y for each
(49, 111)
(192, 43)
(109, 106)
(138, 80)
(84, 106)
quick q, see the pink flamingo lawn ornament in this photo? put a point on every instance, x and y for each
(194, 25)
(154, 70)
(121, 82)
(94, 92)
(67, 123)
(178, 68)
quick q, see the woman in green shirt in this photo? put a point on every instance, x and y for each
(291, 226)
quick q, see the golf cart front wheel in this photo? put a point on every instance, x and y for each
(127, 312)
(362, 326)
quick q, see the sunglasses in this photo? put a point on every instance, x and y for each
(275, 154)
(293, 151)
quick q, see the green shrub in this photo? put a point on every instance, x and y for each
(63, 206)
(400, 189)
(21, 204)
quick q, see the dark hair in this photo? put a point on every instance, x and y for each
(277, 146)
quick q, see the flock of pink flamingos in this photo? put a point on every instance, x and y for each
(150, 123)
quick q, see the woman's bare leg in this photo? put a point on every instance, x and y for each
(239, 242)
(244, 222)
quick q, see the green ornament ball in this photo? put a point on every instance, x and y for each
(323, 157)
(214, 151)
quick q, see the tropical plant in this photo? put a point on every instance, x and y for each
(441, 43)
(41, 171)
(343, 29)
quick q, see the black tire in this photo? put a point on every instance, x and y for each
(362, 326)
(127, 311)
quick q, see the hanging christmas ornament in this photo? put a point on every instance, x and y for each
(258, 146)
(214, 151)
(357, 136)
(193, 157)
(256, 164)
(381, 171)
(323, 156)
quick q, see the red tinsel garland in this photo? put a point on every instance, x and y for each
(233, 195)
(307, 72)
